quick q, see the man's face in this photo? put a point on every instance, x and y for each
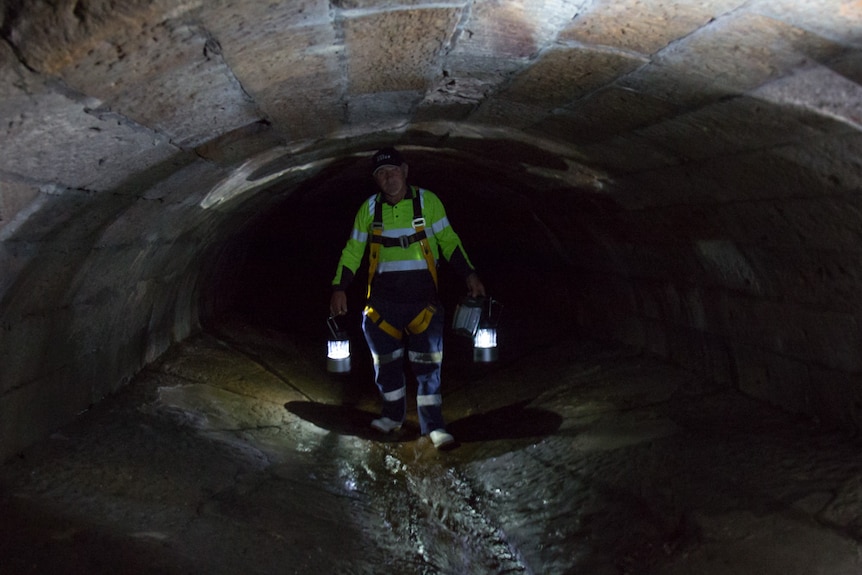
(392, 181)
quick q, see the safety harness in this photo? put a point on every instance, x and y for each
(419, 323)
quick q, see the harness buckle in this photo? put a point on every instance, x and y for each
(418, 223)
(404, 241)
(376, 226)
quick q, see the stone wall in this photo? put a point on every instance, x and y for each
(689, 172)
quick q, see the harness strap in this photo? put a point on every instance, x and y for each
(419, 226)
(422, 320)
(378, 320)
(416, 326)
(374, 251)
(378, 240)
(419, 323)
(403, 241)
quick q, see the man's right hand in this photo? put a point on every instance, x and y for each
(338, 303)
(474, 286)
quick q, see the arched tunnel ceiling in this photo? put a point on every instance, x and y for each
(102, 91)
(696, 163)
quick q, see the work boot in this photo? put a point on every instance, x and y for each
(440, 438)
(385, 425)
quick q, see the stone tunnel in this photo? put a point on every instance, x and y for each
(680, 177)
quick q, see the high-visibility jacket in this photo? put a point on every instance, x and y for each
(402, 273)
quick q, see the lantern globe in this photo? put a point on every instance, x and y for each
(337, 349)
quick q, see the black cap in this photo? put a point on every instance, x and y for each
(386, 157)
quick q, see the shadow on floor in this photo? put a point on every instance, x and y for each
(347, 420)
(516, 421)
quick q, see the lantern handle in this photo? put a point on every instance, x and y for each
(491, 302)
(333, 326)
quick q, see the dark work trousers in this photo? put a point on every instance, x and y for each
(425, 355)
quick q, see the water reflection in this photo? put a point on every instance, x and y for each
(345, 420)
(511, 422)
(252, 463)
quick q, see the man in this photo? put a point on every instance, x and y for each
(406, 230)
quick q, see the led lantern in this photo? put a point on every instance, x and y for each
(485, 345)
(477, 318)
(485, 338)
(467, 315)
(337, 349)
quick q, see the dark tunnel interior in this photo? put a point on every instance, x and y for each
(277, 270)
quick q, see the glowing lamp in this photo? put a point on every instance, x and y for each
(337, 349)
(478, 318)
(485, 345)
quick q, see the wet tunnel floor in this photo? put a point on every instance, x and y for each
(237, 453)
